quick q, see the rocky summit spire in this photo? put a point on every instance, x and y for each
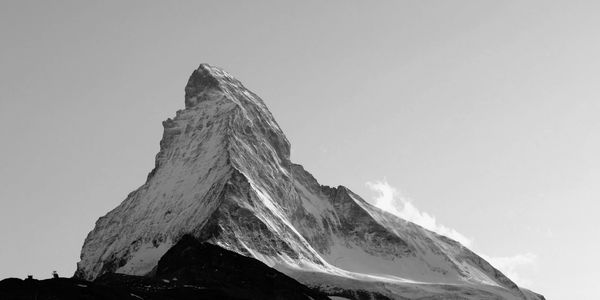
(223, 174)
(200, 81)
(204, 80)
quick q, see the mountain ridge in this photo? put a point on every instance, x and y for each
(224, 174)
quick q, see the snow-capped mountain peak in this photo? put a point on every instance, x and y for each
(224, 175)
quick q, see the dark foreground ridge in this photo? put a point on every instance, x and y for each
(189, 270)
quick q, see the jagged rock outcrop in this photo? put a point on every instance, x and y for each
(224, 175)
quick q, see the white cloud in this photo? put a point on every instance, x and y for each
(510, 265)
(391, 200)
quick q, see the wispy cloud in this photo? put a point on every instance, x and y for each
(391, 199)
(510, 265)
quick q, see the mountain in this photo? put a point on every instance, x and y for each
(223, 175)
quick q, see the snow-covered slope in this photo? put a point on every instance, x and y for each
(224, 174)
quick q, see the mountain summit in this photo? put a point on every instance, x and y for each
(223, 175)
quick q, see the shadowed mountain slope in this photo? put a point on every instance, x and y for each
(189, 270)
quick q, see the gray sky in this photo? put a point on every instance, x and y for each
(484, 114)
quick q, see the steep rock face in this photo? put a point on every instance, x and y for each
(224, 174)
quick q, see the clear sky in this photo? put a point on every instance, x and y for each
(476, 117)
